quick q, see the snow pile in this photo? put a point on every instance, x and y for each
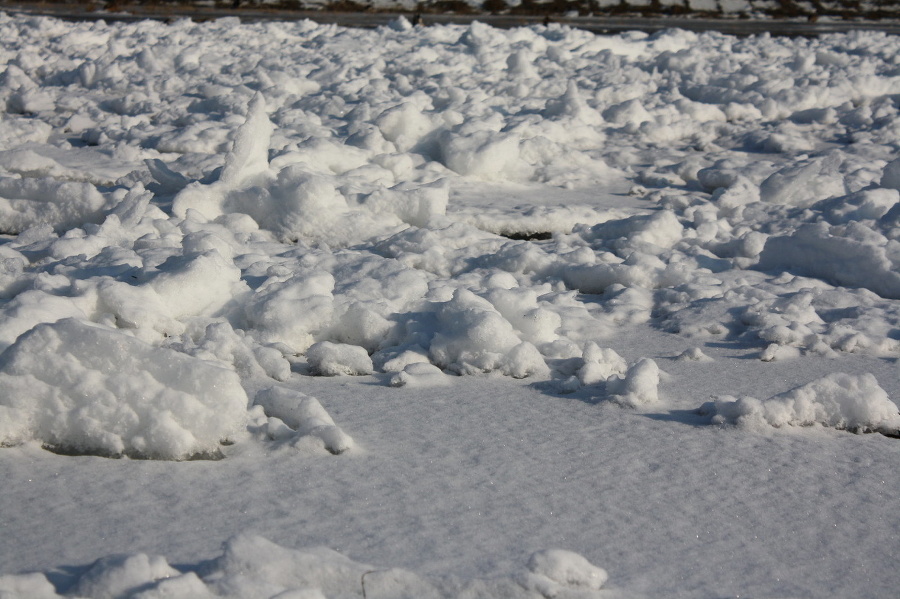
(474, 337)
(299, 418)
(420, 374)
(26, 202)
(274, 219)
(606, 373)
(639, 385)
(331, 359)
(839, 400)
(567, 569)
(297, 196)
(253, 567)
(83, 388)
(223, 232)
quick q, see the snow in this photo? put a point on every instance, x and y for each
(331, 359)
(486, 309)
(81, 388)
(838, 400)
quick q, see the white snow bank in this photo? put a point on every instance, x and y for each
(474, 337)
(83, 388)
(638, 387)
(298, 196)
(567, 568)
(838, 400)
(281, 208)
(252, 567)
(332, 359)
(295, 416)
(122, 575)
(26, 202)
(420, 374)
(849, 256)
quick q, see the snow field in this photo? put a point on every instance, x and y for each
(203, 222)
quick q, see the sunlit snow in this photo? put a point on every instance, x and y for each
(504, 313)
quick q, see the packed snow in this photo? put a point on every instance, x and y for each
(490, 309)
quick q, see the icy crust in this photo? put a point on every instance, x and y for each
(282, 208)
(839, 400)
(252, 567)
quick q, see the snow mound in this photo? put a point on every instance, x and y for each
(332, 359)
(600, 364)
(122, 575)
(638, 387)
(26, 202)
(86, 389)
(838, 400)
(252, 567)
(475, 337)
(418, 375)
(298, 195)
(296, 416)
(838, 255)
(567, 568)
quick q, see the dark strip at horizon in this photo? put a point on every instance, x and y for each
(732, 26)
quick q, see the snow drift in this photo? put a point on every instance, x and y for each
(839, 400)
(251, 566)
(82, 388)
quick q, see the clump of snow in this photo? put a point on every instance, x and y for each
(775, 351)
(332, 359)
(26, 202)
(600, 364)
(567, 568)
(805, 183)
(33, 585)
(123, 575)
(693, 354)
(838, 400)
(84, 388)
(638, 387)
(481, 154)
(849, 256)
(303, 416)
(201, 283)
(890, 176)
(252, 566)
(291, 308)
(418, 375)
(474, 337)
(633, 385)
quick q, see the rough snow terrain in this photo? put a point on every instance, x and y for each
(523, 313)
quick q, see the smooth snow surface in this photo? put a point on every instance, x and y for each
(487, 309)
